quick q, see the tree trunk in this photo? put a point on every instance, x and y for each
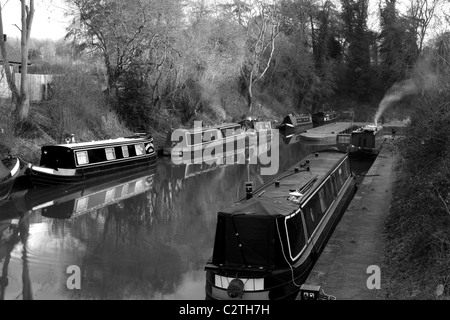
(23, 107)
(250, 94)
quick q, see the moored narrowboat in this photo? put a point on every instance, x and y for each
(296, 122)
(366, 141)
(266, 244)
(207, 143)
(324, 117)
(77, 162)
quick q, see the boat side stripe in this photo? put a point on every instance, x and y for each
(16, 168)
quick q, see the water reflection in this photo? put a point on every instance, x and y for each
(145, 235)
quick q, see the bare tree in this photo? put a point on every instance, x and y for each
(20, 98)
(422, 13)
(261, 21)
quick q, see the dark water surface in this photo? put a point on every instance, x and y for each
(143, 236)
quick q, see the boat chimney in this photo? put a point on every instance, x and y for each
(249, 189)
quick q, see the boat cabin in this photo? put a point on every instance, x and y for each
(69, 156)
(75, 162)
(292, 121)
(192, 142)
(366, 140)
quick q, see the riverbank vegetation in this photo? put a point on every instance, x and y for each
(418, 227)
(148, 66)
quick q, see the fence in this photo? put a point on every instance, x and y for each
(38, 85)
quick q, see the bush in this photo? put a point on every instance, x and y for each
(418, 227)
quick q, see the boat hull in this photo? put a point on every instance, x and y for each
(52, 177)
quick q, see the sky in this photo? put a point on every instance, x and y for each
(49, 21)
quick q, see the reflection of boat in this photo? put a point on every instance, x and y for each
(366, 140)
(9, 171)
(266, 244)
(77, 162)
(185, 171)
(71, 201)
(291, 138)
(297, 122)
(202, 143)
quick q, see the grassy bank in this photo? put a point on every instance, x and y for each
(417, 231)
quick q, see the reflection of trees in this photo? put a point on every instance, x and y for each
(20, 234)
(9, 246)
(24, 228)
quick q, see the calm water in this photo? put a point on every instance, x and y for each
(145, 236)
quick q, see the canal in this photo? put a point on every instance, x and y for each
(150, 244)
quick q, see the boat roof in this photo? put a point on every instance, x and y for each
(368, 128)
(216, 127)
(117, 141)
(274, 201)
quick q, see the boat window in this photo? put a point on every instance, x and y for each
(334, 184)
(295, 233)
(110, 195)
(313, 214)
(82, 157)
(81, 204)
(110, 154)
(125, 151)
(139, 149)
(326, 196)
(323, 204)
(125, 190)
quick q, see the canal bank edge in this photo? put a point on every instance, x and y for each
(353, 258)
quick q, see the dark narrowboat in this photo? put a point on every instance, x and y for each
(366, 141)
(77, 162)
(296, 122)
(9, 171)
(324, 117)
(266, 244)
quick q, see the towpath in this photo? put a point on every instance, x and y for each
(355, 249)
